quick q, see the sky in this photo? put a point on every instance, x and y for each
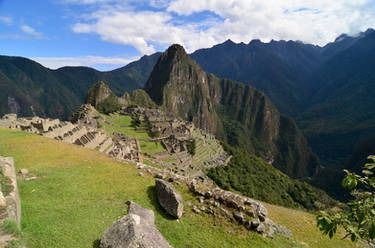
(107, 34)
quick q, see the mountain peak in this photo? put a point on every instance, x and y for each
(175, 50)
(165, 69)
(102, 98)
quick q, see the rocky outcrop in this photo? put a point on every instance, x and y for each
(136, 229)
(169, 198)
(223, 204)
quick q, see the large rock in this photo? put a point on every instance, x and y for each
(169, 198)
(136, 229)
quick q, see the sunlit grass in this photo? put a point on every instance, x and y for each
(122, 124)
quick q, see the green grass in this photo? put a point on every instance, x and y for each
(80, 192)
(148, 162)
(151, 147)
(122, 124)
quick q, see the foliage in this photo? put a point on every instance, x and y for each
(109, 105)
(191, 146)
(359, 221)
(135, 122)
(254, 178)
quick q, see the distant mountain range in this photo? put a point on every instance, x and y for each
(28, 88)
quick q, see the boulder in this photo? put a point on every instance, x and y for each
(261, 212)
(261, 228)
(136, 229)
(169, 198)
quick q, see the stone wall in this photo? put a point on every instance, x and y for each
(12, 199)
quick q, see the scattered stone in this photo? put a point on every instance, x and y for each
(250, 213)
(136, 229)
(239, 217)
(160, 176)
(261, 228)
(201, 199)
(196, 210)
(203, 208)
(261, 212)
(169, 198)
(24, 172)
(188, 204)
(30, 178)
(278, 228)
(172, 179)
(141, 174)
(208, 194)
(254, 223)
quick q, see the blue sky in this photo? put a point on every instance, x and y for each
(106, 34)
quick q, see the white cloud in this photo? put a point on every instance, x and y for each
(312, 21)
(31, 31)
(6, 20)
(90, 61)
(142, 30)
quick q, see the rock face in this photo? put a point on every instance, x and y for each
(169, 198)
(240, 114)
(136, 229)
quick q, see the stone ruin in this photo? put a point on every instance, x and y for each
(126, 148)
(10, 205)
(84, 133)
(176, 135)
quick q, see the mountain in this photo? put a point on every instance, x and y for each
(341, 113)
(280, 69)
(239, 114)
(30, 89)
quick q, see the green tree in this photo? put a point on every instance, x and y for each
(135, 122)
(358, 220)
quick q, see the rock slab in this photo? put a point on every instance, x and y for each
(169, 198)
(134, 230)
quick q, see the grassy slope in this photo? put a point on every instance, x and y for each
(122, 124)
(80, 192)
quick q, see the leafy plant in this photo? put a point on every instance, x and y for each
(191, 146)
(359, 221)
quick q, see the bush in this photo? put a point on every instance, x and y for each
(109, 105)
(191, 147)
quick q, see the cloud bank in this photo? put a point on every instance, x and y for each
(149, 25)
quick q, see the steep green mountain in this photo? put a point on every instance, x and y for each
(239, 114)
(251, 176)
(281, 69)
(341, 113)
(102, 98)
(28, 88)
